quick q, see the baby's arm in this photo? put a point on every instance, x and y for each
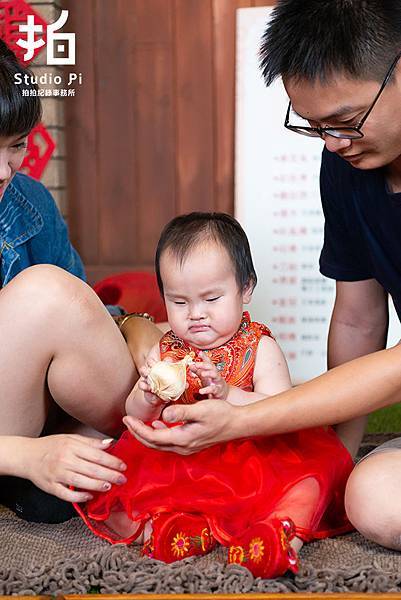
(270, 376)
(141, 403)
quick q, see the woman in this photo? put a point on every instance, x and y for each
(61, 348)
(61, 352)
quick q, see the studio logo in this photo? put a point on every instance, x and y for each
(60, 46)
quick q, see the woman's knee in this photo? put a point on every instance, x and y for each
(41, 282)
(44, 289)
(371, 498)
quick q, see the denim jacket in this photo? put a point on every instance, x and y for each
(32, 231)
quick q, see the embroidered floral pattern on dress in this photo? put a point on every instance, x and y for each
(235, 360)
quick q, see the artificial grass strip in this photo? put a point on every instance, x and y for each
(385, 420)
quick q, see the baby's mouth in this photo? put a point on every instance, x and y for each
(198, 328)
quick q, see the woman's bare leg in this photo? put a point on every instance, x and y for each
(59, 342)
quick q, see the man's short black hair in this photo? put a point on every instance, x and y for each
(18, 113)
(312, 39)
(185, 232)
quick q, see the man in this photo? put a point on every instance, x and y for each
(339, 60)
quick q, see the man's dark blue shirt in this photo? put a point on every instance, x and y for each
(362, 233)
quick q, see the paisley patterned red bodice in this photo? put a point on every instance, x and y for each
(235, 360)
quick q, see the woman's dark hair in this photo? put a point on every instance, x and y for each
(185, 232)
(18, 113)
(312, 39)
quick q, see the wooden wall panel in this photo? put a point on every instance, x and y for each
(81, 139)
(224, 33)
(194, 105)
(155, 131)
(115, 95)
(151, 132)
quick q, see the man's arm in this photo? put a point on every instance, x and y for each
(358, 326)
(352, 389)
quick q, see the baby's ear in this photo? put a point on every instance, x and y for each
(247, 292)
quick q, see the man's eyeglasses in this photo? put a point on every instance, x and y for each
(348, 133)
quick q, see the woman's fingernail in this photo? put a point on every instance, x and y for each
(106, 486)
(88, 497)
(121, 480)
(122, 467)
(107, 441)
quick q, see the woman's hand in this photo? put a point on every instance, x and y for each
(205, 423)
(55, 462)
(213, 384)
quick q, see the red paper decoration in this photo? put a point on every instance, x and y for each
(40, 148)
(12, 14)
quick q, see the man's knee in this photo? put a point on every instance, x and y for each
(371, 498)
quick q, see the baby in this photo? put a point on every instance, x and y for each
(261, 498)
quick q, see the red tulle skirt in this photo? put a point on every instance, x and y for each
(233, 485)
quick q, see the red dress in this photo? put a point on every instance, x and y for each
(233, 487)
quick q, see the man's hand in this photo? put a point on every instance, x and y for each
(55, 462)
(203, 424)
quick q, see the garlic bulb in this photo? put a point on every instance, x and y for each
(168, 380)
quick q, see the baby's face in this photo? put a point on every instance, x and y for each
(204, 304)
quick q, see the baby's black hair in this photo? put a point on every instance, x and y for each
(185, 232)
(18, 113)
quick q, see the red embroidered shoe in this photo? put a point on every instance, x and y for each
(178, 535)
(265, 550)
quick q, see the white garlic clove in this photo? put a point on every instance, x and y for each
(168, 380)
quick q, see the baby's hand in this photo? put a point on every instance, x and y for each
(144, 385)
(214, 386)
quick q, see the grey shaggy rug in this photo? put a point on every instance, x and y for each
(68, 559)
